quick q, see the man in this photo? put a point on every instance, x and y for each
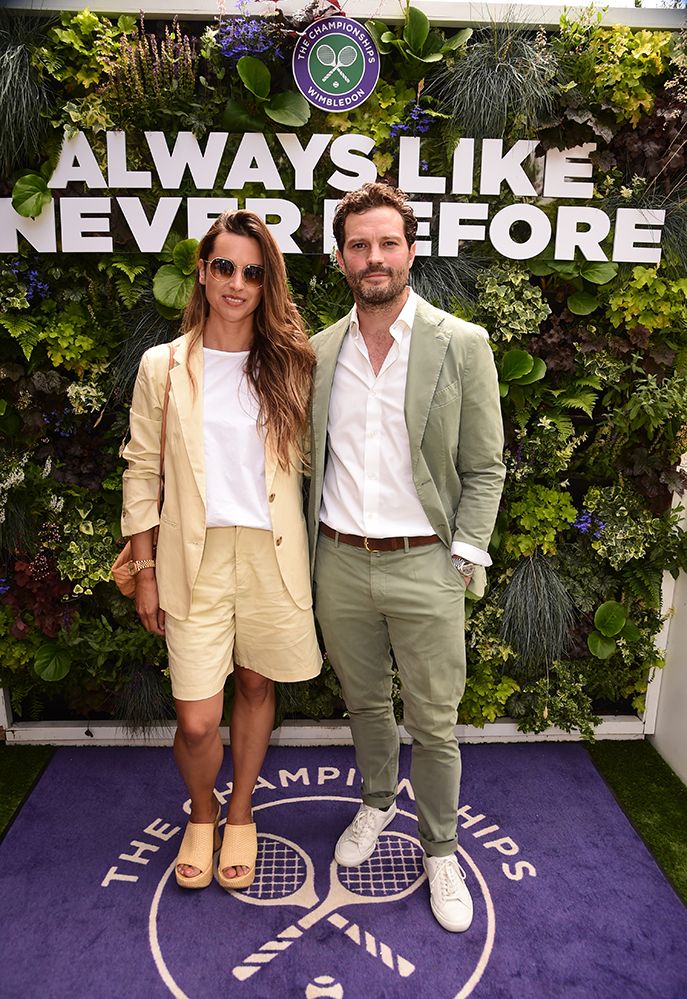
(406, 481)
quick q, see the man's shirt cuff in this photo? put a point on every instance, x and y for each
(472, 554)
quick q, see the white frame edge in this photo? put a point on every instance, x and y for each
(301, 733)
(443, 13)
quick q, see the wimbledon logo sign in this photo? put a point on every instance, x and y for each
(336, 64)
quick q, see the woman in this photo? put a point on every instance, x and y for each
(229, 585)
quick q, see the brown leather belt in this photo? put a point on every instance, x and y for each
(377, 544)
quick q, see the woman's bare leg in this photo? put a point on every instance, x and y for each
(199, 752)
(252, 719)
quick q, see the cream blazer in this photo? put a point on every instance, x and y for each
(183, 517)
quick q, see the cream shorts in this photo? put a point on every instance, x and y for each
(241, 613)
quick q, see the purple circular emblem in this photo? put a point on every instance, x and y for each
(336, 64)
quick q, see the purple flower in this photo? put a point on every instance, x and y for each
(4, 586)
(240, 36)
(418, 122)
(584, 522)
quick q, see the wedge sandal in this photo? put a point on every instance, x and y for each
(239, 849)
(200, 841)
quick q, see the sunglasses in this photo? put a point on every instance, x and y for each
(222, 269)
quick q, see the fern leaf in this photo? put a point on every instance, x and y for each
(563, 423)
(577, 398)
(643, 583)
(129, 293)
(24, 331)
(129, 268)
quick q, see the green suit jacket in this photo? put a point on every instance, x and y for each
(453, 415)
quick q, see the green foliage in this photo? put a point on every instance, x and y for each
(25, 97)
(634, 542)
(51, 662)
(542, 450)
(78, 51)
(651, 300)
(488, 687)
(560, 699)
(384, 109)
(173, 282)
(30, 195)
(513, 307)
(69, 335)
(627, 65)
(86, 550)
(537, 519)
(518, 367)
(152, 81)
(416, 41)
(289, 108)
(127, 273)
(617, 67)
(582, 278)
(613, 627)
(537, 615)
(506, 83)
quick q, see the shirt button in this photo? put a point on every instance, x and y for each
(271, 497)
(278, 541)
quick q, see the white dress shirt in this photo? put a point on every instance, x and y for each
(368, 487)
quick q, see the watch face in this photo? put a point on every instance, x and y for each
(132, 568)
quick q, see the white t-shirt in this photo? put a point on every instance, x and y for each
(234, 444)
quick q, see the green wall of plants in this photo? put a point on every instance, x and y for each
(592, 358)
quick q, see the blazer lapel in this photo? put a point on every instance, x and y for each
(189, 407)
(328, 349)
(428, 348)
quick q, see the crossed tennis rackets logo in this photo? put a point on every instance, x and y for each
(285, 875)
(328, 57)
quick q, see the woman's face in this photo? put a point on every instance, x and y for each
(232, 298)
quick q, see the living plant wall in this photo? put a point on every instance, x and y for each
(592, 355)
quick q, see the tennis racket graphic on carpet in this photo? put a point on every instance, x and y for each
(393, 872)
(328, 57)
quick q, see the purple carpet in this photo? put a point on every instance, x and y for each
(568, 902)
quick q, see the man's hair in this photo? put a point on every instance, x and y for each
(374, 196)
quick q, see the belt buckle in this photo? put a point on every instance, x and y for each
(367, 547)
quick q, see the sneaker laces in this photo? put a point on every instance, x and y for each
(449, 877)
(363, 823)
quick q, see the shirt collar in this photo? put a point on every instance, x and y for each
(401, 325)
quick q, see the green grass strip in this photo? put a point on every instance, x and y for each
(20, 768)
(654, 799)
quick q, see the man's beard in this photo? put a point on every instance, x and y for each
(377, 294)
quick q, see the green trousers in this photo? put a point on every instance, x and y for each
(411, 601)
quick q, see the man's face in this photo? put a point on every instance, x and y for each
(375, 258)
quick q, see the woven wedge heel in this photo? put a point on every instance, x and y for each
(239, 849)
(200, 841)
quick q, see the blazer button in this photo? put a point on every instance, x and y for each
(278, 541)
(271, 497)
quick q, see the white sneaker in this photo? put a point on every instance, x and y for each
(358, 841)
(449, 896)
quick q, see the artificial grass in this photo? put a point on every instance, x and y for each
(654, 799)
(20, 768)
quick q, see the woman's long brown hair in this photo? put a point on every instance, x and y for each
(281, 360)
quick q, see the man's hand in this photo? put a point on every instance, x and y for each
(147, 603)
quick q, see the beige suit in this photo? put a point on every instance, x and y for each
(183, 519)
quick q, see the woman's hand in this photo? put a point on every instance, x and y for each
(148, 604)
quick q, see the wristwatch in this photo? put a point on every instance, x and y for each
(136, 565)
(464, 567)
